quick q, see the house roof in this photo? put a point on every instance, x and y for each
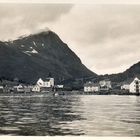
(106, 80)
(45, 79)
(91, 84)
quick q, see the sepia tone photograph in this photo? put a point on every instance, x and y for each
(69, 69)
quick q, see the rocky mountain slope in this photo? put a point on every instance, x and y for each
(38, 55)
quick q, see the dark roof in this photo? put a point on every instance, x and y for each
(91, 84)
(46, 79)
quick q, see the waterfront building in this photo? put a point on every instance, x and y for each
(8, 89)
(19, 88)
(134, 86)
(105, 85)
(58, 87)
(44, 85)
(36, 88)
(28, 89)
(125, 87)
(1, 89)
(48, 82)
(91, 87)
(41, 83)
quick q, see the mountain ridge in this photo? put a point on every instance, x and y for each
(36, 55)
(130, 73)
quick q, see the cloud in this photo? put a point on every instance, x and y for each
(105, 37)
(18, 19)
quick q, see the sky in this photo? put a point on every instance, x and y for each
(106, 37)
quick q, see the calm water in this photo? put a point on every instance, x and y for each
(70, 115)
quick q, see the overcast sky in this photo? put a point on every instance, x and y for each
(105, 37)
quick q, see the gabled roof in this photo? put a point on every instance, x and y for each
(105, 80)
(40, 79)
(91, 84)
(45, 79)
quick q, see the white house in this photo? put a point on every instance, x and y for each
(1, 89)
(36, 88)
(43, 85)
(125, 87)
(134, 86)
(91, 87)
(49, 82)
(105, 85)
(59, 86)
(19, 88)
(40, 82)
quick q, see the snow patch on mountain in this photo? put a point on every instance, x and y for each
(42, 44)
(34, 44)
(34, 51)
(31, 52)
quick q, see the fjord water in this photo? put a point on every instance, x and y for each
(92, 115)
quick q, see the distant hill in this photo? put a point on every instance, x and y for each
(40, 55)
(132, 72)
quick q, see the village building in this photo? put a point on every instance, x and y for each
(134, 86)
(28, 89)
(48, 82)
(91, 87)
(58, 87)
(19, 89)
(105, 85)
(36, 88)
(8, 89)
(44, 85)
(125, 87)
(1, 89)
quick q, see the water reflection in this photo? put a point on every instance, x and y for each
(111, 115)
(38, 115)
(70, 115)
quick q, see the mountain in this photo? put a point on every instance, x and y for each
(132, 72)
(40, 55)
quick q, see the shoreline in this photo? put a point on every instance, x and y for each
(61, 93)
